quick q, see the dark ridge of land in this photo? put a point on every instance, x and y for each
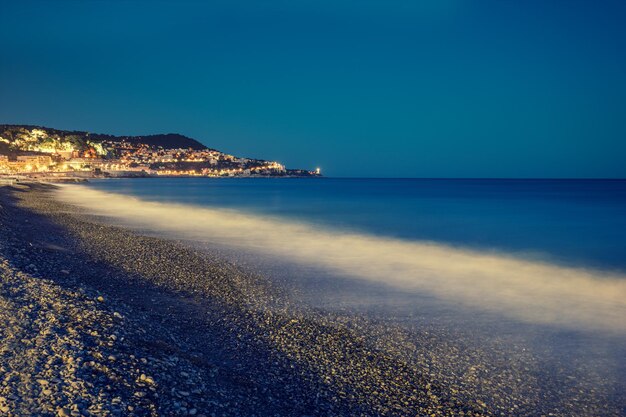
(167, 140)
(98, 320)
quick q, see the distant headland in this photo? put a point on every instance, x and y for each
(36, 151)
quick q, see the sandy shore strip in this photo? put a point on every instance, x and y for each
(98, 320)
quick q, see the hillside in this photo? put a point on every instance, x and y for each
(21, 138)
(36, 149)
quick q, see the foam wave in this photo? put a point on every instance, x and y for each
(527, 290)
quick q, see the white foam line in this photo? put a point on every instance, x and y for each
(528, 290)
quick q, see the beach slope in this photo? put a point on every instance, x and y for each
(99, 320)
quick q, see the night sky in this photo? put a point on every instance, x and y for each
(446, 88)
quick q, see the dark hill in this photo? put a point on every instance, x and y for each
(169, 140)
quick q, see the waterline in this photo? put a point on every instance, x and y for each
(528, 290)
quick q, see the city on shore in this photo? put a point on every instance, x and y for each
(37, 151)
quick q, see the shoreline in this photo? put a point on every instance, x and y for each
(50, 178)
(216, 339)
(237, 319)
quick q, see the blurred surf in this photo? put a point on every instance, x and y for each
(526, 289)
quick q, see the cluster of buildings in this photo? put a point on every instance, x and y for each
(188, 162)
(25, 163)
(32, 150)
(38, 163)
(120, 158)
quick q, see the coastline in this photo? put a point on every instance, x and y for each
(209, 337)
(169, 310)
(85, 176)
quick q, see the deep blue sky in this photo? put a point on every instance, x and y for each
(446, 88)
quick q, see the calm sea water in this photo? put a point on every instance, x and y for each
(573, 222)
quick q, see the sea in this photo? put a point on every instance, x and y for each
(569, 222)
(526, 262)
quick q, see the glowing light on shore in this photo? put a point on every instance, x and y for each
(527, 290)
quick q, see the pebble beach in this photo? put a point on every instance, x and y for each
(98, 320)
